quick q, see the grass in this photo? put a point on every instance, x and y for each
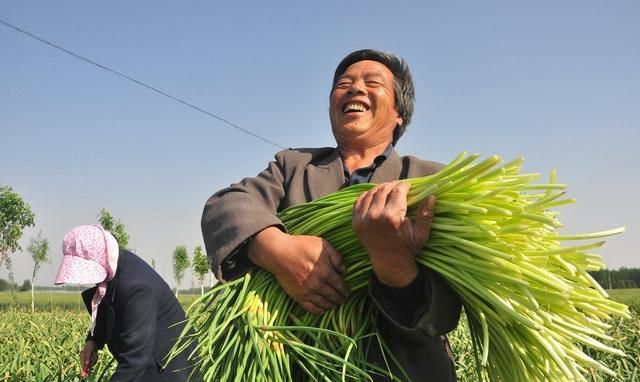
(44, 347)
(630, 297)
(48, 301)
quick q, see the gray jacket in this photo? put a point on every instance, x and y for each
(234, 214)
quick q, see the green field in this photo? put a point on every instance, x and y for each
(630, 297)
(48, 301)
(44, 347)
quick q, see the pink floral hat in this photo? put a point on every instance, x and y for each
(90, 256)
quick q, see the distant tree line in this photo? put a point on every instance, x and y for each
(8, 285)
(618, 278)
(608, 279)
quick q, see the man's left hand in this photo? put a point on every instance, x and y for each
(391, 239)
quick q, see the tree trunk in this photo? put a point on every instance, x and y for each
(33, 288)
(12, 279)
(33, 296)
(3, 254)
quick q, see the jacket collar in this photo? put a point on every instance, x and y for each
(326, 176)
(113, 283)
(389, 170)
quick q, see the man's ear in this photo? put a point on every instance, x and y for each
(399, 121)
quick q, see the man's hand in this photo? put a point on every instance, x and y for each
(391, 239)
(308, 268)
(88, 358)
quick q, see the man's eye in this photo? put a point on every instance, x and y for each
(343, 84)
(373, 83)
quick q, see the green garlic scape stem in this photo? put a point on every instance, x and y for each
(530, 303)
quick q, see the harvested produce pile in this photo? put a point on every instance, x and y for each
(529, 300)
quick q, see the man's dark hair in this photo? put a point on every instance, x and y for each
(402, 82)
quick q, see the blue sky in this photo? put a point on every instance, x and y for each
(555, 82)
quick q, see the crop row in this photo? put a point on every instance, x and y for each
(44, 347)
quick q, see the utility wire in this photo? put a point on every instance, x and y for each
(27, 33)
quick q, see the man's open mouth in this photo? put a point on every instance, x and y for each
(354, 108)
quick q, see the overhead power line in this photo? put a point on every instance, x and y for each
(138, 82)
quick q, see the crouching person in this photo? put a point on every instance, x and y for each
(132, 308)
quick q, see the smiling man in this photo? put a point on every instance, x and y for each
(371, 104)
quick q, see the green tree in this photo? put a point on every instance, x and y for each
(109, 223)
(39, 249)
(200, 266)
(180, 265)
(4, 285)
(15, 215)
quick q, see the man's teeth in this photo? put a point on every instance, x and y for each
(353, 107)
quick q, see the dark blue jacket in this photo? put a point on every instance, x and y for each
(136, 320)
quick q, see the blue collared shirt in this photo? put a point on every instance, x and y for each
(363, 175)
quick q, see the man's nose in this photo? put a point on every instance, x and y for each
(357, 87)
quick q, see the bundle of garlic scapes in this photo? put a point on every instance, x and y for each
(530, 303)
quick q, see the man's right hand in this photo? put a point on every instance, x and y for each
(308, 268)
(88, 358)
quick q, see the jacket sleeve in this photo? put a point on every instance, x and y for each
(138, 328)
(436, 311)
(234, 214)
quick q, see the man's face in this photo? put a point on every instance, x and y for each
(362, 104)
